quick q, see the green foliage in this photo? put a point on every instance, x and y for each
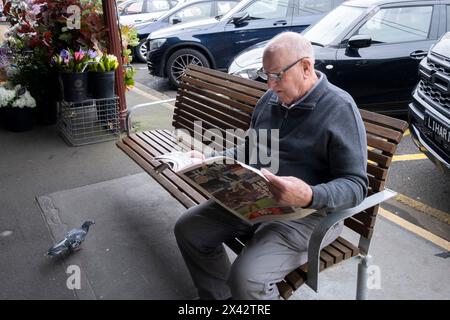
(130, 33)
(129, 76)
(31, 70)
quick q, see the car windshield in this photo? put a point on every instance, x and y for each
(329, 27)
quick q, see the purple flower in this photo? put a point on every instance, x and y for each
(65, 54)
(92, 53)
(36, 9)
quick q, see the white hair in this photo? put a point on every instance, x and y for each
(291, 42)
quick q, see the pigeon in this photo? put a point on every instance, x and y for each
(72, 240)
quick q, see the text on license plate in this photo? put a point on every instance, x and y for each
(438, 131)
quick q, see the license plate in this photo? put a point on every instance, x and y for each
(438, 132)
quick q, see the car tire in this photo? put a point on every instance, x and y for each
(179, 60)
(140, 51)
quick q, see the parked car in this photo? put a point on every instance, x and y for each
(186, 12)
(429, 113)
(370, 48)
(135, 11)
(214, 42)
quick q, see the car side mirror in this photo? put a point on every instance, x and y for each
(176, 20)
(359, 41)
(239, 17)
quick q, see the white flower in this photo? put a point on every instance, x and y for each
(11, 98)
(25, 100)
(6, 96)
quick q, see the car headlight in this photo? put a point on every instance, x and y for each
(156, 43)
(249, 72)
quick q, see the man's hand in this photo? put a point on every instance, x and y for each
(195, 154)
(289, 190)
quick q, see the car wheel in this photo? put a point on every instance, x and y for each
(179, 60)
(140, 51)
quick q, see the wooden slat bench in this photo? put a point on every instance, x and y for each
(222, 102)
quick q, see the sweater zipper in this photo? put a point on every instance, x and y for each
(284, 118)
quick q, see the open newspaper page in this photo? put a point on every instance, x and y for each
(241, 189)
(178, 160)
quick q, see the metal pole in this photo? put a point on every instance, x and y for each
(115, 48)
(361, 287)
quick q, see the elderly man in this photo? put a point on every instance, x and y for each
(322, 165)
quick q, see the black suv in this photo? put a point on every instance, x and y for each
(429, 113)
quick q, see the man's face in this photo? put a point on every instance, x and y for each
(292, 85)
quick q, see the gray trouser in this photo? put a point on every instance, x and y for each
(275, 249)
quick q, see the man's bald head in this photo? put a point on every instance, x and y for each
(289, 45)
(288, 61)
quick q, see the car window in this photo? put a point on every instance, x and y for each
(391, 25)
(158, 5)
(225, 6)
(193, 12)
(328, 29)
(308, 7)
(133, 7)
(268, 9)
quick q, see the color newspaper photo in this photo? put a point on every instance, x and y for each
(239, 188)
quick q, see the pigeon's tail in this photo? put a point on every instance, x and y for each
(58, 248)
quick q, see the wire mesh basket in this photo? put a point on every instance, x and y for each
(90, 121)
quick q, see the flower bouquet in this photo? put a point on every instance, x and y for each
(73, 61)
(72, 67)
(17, 105)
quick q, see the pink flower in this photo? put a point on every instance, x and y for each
(79, 55)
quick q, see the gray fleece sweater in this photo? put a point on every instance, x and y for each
(322, 140)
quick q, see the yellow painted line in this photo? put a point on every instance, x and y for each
(415, 229)
(406, 133)
(408, 157)
(419, 206)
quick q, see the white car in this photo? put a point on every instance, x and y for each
(136, 11)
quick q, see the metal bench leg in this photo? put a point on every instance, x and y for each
(363, 275)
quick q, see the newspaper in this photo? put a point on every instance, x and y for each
(178, 161)
(239, 188)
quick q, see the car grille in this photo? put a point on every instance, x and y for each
(428, 87)
(436, 67)
(437, 96)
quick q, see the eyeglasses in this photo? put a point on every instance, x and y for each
(277, 76)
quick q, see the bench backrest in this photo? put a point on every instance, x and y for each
(219, 100)
(223, 101)
(383, 135)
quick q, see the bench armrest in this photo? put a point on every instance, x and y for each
(138, 106)
(320, 231)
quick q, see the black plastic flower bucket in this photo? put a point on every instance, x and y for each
(74, 86)
(102, 84)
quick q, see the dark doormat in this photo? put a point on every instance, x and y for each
(130, 252)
